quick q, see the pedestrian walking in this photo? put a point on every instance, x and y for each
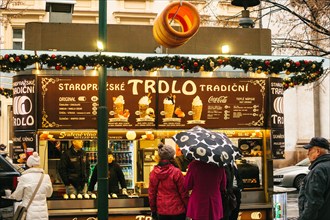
(27, 183)
(314, 194)
(168, 198)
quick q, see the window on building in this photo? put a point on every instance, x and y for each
(18, 39)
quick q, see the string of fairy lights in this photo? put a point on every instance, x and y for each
(296, 72)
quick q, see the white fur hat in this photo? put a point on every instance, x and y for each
(33, 160)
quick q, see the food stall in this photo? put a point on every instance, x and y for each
(51, 108)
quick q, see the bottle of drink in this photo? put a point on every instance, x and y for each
(95, 158)
(125, 172)
(130, 158)
(85, 146)
(91, 158)
(130, 172)
(278, 210)
(120, 159)
(88, 157)
(124, 159)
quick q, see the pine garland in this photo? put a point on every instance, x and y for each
(298, 72)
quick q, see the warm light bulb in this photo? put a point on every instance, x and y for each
(225, 49)
(131, 135)
(100, 45)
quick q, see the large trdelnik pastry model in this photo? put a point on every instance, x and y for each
(186, 15)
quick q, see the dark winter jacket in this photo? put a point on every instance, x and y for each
(115, 176)
(74, 167)
(314, 195)
(167, 195)
(231, 174)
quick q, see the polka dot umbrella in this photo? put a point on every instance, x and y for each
(207, 146)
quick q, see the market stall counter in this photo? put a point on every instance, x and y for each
(124, 207)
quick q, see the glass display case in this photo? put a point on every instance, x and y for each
(123, 152)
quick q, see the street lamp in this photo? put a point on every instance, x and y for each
(245, 21)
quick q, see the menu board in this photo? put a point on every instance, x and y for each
(71, 102)
(67, 102)
(277, 143)
(211, 102)
(24, 114)
(276, 106)
(24, 144)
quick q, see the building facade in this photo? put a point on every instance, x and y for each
(124, 12)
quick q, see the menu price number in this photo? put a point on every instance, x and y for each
(226, 115)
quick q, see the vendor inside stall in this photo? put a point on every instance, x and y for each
(115, 177)
(74, 169)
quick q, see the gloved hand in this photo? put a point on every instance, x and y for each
(124, 191)
(154, 216)
(84, 190)
(70, 189)
(114, 196)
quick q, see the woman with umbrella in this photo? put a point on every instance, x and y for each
(206, 177)
(206, 182)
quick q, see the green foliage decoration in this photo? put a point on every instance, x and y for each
(297, 72)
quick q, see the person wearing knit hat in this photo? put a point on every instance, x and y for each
(27, 183)
(168, 198)
(166, 152)
(33, 160)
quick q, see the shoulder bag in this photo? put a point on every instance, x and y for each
(21, 211)
(229, 199)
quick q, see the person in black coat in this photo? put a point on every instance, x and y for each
(115, 176)
(234, 185)
(314, 194)
(74, 168)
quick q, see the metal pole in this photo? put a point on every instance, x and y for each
(102, 123)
